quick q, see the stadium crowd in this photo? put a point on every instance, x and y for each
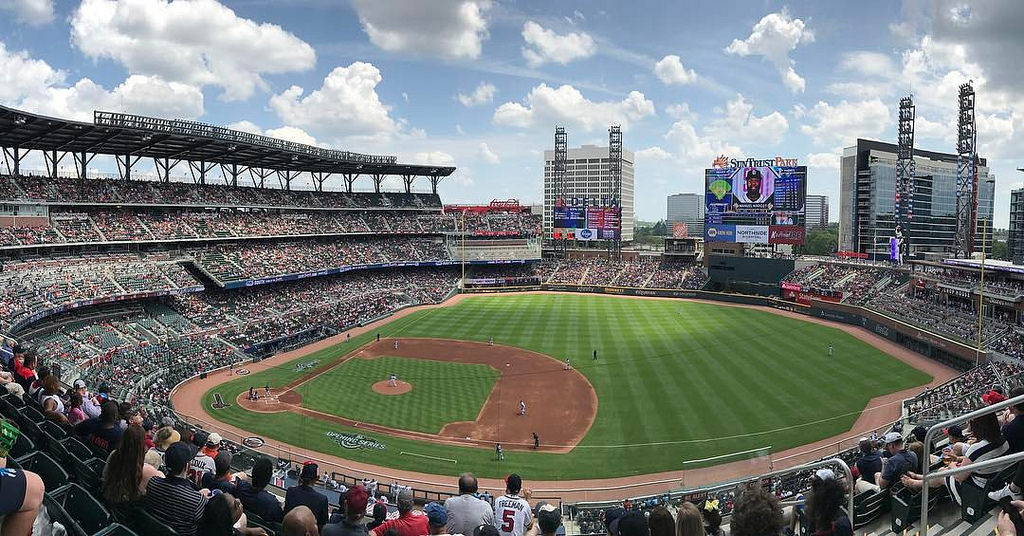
(643, 272)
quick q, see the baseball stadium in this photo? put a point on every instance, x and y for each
(253, 334)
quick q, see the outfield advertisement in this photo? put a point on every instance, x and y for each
(755, 202)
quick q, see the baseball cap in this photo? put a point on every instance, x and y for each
(436, 514)
(825, 474)
(633, 523)
(611, 516)
(992, 397)
(310, 471)
(549, 518)
(177, 456)
(214, 439)
(79, 384)
(485, 530)
(893, 437)
(356, 498)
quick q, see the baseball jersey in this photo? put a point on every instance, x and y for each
(512, 515)
(199, 466)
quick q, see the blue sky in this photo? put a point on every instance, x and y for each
(481, 84)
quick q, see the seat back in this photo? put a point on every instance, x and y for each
(22, 446)
(145, 523)
(77, 449)
(57, 449)
(88, 473)
(83, 508)
(51, 473)
(31, 413)
(55, 430)
(116, 529)
(57, 514)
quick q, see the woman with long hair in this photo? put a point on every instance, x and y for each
(125, 475)
(688, 522)
(660, 522)
(824, 506)
(222, 514)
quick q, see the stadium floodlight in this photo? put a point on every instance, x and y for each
(20, 120)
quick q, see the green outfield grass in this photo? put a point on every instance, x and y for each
(675, 381)
(432, 403)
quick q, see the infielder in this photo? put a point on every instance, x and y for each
(393, 380)
(522, 407)
(490, 342)
(497, 451)
(396, 344)
(568, 365)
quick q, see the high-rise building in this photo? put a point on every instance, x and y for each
(688, 209)
(816, 211)
(1015, 238)
(587, 177)
(867, 199)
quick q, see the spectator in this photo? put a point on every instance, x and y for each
(989, 445)
(712, 518)
(202, 463)
(25, 372)
(868, 465)
(21, 496)
(165, 437)
(824, 513)
(408, 523)
(53, 405)
(126, 475)
(91, 405)
(300, 521)
(899, 462)
(1013, 430)
(549, 519)
(75, 413)
(221, 478)
(437, 518)
(380, 515)
(512, 513)
(633, 523)
(466, 511)
(355, 509)
(688, 521)
(254, 495)
(756, 513)
(173, 500)
(223, 513)
(661, 523)
(304, 494)
(104, 431)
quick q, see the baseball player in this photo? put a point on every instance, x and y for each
(568, 365)
(512, 514)
(267, 390)
(595, 354)
(396, 344)
(497, 451)
(830, 350)
(393, 380)
(536, 441)
(522, 407)
(490, 342)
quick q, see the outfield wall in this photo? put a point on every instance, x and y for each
(945, 350)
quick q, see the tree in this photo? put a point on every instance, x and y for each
(820, 241)
(1000, 250)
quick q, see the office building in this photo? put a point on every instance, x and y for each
(688, 209)
(1015, 238)
(816, 211)
(587, 177)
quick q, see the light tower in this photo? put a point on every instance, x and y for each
(903, 211)
(561, 151)
(614, 198)
(966, 174)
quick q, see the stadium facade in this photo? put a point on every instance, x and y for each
(688, 209)
(1015, 239)
(587, 176)
(816, 211)
(866, 200)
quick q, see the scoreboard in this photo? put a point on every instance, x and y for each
(587, 223)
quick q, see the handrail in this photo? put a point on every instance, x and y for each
(926, 473)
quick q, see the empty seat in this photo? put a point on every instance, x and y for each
(145, 523)
(22, 446)
(55, 430)
(57, 514)
(47, 469)
(116, 529)
(82, 507)
(77, 448)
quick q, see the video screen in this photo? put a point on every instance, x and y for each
(755, 205)
(586, 222)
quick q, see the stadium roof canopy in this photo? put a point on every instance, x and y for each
(130, 137)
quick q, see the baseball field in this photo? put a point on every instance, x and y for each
(674, 381)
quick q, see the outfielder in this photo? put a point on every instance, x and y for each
(497, 451)
(830, 350)
(490, 342)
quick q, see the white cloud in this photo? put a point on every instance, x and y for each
(773, 38)
(544, 46)
(291, 134)
(483, 94)
(670, 71)
(866, 63)
(245, 126)
(22, 75)
(405, 97)
(653, 153)
(458, 130)
(138, 94)
(487, 154)
(346, 104)
(443, 28)
(546, 106)
(31, 12)
(824, 160)
(680, 111)
(741, 125)
(694, 150)
(198, 42)
(846, 121)
(436, 158)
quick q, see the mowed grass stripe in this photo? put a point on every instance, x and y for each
(705, 379)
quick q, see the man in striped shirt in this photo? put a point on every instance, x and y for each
(173, 500)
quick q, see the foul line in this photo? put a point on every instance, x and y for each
(431, 457)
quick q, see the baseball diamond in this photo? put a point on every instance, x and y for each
(671, 385)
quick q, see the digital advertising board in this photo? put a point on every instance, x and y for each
(581, 222)
(755, 201)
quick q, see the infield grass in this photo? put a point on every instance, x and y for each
(675, 381)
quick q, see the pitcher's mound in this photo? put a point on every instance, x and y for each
(384, 387)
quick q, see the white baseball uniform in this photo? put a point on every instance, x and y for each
(512, 515)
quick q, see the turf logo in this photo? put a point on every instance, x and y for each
(307, 365)
(218, 402)
(242, 371)
(253, 442)
(355, 441)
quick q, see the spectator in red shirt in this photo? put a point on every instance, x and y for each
(408, 522)
(25, 373)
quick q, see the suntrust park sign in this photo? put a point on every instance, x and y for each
(725, 162)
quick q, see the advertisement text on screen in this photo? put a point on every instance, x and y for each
(723, 162)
